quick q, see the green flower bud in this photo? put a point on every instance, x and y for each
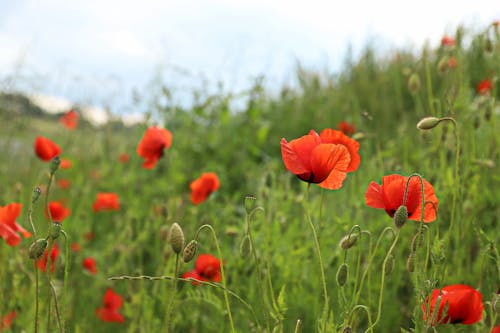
(342, 275)
(36, 249)
(36, 194)
(401, 216)
(348, 241)
(250, 203)
(389, 265)
(176, 238)
(190, 251)
(428, 123)
(55, 230)
(54, 164)
(414, 83)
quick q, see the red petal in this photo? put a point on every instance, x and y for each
(374, 196)
(329, 135)
(330, 163)
(296, 154)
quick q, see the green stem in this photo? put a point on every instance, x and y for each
(66, 270)
(37, 290)
(174, 291)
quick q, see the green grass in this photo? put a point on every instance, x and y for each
(243, 148)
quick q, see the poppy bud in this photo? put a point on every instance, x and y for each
(348, 241)
(358, 136)
(342, 275)
(442, 66)
(36, 249)
(55, 230)
(428, 123)
(36, 194)
(389, 265)
(190, 251)
(245, 246)
(496, 303)
(401, 216)
(410, 263)
(250, 203)
(54, 164)
(176, 238)
(414, 83)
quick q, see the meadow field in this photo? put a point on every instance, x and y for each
(310, 198)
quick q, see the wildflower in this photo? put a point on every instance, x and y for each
(496, 329)
(6, 320)
(464, 305)
(58, 212)
(106, 201)
(152, 144)
(322, 159)
(389, 196)
(89, 264)
(206, 268)
(484, 87)
(63, 183)
(89, 236)
(65, 163)
(447, 41)
(75, 247)
(124, 158)
(45, 149)
(346, 128)
(42, 263)
(8, 226)
(452, 62)
(202, 187)
(69, 119)
(112, 303)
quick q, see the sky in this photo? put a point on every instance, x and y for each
(103, 53)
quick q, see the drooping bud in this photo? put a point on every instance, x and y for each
(245, 246)
(36, 194)
(410, 263)
(250, 203)
(190, 251)
(342, 274)
(348, 241)
(36, 249)
(54, 164)
(401, 216)
(414, 83)
(428, 123)
(176, 238)
(55, 230)
(389, 265)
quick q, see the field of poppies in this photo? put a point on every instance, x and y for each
(365, 201)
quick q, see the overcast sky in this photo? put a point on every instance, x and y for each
(97, 51)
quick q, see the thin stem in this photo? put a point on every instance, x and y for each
(174, 291)
(58, 315)
(297, 326)
(37, 290)
(320, 259)
(66, 269)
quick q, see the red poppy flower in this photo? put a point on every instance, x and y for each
(452, 62)
(69, 119)
(124, 158)
(75, 247)
(89, 236)
(106, 201)
(45, 149)
(496, 329)
(464, 304)
(206, 268)
(42, 263)
(58, 212)
(202, 187)
(322, 159)
(389, 196)
(112, 303)
(447, 41)
(8, 226)
(152, 144)
(6, 320)
(346, 128)
(63, 184)
(484, 87)
(89, 265)
(65, 163)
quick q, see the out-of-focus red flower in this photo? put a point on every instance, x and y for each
(6, 320)
(8, 227)
(389, 196)
(496, 329)
(202, 187)
(75, 247)
(484, 87)
(452, 62)
(46, 149)
(58, 212)
(464, 304)
(447, 41)
(89, 265)
(42, 262)
(106, 201)
(89, 236)
(346, 128)
(323, 159)
(124, 158)
(112, 303)
(70, 119)
(152, 145)
(206, 268)
(63, 183)
(65, 163)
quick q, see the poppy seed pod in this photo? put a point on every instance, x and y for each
(428, 123)
(37, 248)
(250, 203)
(176, 238)
(55, 230)
(190, 251)
(54, 164)
(401, 216)
(414, 83)
(342, 275)
(349, 241)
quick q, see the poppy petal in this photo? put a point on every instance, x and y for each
(374, 196)
(296, 153)
(330, 163)
(329, 135)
